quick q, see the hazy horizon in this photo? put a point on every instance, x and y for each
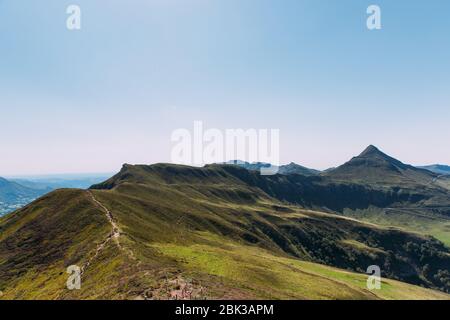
(113, 92)
(73, 175)
(68, 175)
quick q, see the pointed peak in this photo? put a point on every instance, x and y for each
(296, 165)
(126, 166)
(371, 150)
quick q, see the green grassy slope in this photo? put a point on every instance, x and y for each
(270, 276)
(151, 231)
(38, 242)
(443, 181)
(418, 208)
(420, 220)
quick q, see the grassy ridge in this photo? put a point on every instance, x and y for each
(233, 202)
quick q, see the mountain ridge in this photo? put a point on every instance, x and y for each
(149, 228)
(437, 168)
(166, 222)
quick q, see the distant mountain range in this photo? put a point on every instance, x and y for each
(16, 193)
(10, 190)
(291, 168)
(366, 166)
(438, 168)
(52, 182)
(224, 231)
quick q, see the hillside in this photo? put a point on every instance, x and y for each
(150, 231)
(425, 198)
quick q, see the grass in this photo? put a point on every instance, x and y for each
(415, 220)
(361, 246)
(276, 277)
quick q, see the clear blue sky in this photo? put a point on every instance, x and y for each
(113, 92)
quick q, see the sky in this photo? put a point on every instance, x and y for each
(113, 92)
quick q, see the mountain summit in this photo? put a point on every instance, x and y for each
(372, 151)
(293, 168)
(374, 166)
